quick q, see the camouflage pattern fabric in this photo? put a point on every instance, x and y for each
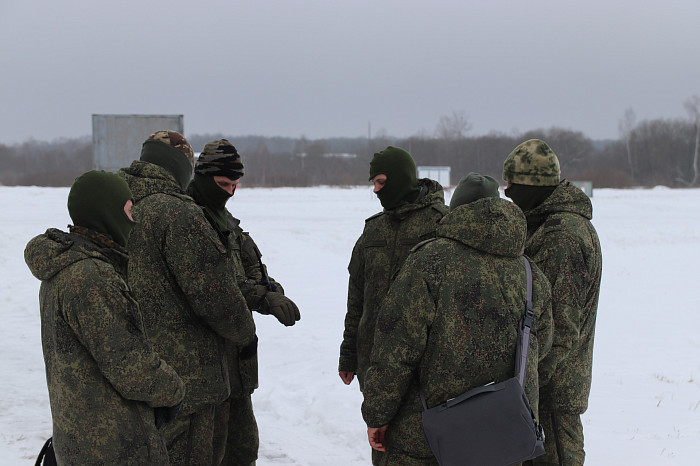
(180, 272)
(220, 431)
(532, 163)
(235, 426)
(569, 432)
(450, 321)
(250, 261)
(219, 158)
(245, 267)
(565, 246)
(191, 438)
(103, 376)
(377, 256)
(242, 440)
(400, 458)
(236, 419)
(244, 252)
(177, 140)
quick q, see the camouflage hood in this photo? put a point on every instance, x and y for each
(565, 198)
(492, 225)
(48, 254)
(146, 178)
(430, 193)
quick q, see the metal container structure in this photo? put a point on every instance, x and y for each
(117, 139)
(437, 173)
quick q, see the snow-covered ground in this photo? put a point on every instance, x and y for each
(645, 400)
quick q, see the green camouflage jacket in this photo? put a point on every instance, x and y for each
(103, 376)
(563, 243)
(246, 266)
(450, 320)
(376, 258)
(244, 255)
(180, 273)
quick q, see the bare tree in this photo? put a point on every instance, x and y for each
(626, 128)
(453, 127)
(692, 106)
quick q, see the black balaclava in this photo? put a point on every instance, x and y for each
(400, 170)
(528, 197)
(96, 201)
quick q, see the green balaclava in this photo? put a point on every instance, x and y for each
(96, 201)
(533, 170)
(170, 150)
(473, 187)
(218, 158)
(400, 170)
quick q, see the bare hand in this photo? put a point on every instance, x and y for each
(347, 376)
(376, 437)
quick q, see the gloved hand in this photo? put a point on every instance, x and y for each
(278, 286)
(166, 414)
(281, 307)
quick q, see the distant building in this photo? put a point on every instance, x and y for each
(585, 186)
(117, 139)
(339, 155)
(439, 174)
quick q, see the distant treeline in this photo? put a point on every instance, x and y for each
(655, 152)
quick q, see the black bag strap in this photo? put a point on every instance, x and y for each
(523, 345)
(524, 329)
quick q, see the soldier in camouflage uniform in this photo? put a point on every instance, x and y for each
(108, 388)
(217, 171)
(179, 271)
(450, 320)
(562, 241)
(412, 210)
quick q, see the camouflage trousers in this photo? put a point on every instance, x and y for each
(399, 458)
(189, 438)
(563, 433)
(236, 433)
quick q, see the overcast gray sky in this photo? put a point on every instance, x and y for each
(330, 68)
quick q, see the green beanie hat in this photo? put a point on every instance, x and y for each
(96, 201)
(170, 150)
(400, 170)
(473, 187)
(532, 163)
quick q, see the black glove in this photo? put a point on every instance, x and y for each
(165, 414)
(249, 350)
(281, 307)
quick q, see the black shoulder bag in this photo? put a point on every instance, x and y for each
(492, 424)
(46, 455)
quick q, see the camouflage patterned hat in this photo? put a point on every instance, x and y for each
(175, 139)
(532, 163)
(219, 158)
